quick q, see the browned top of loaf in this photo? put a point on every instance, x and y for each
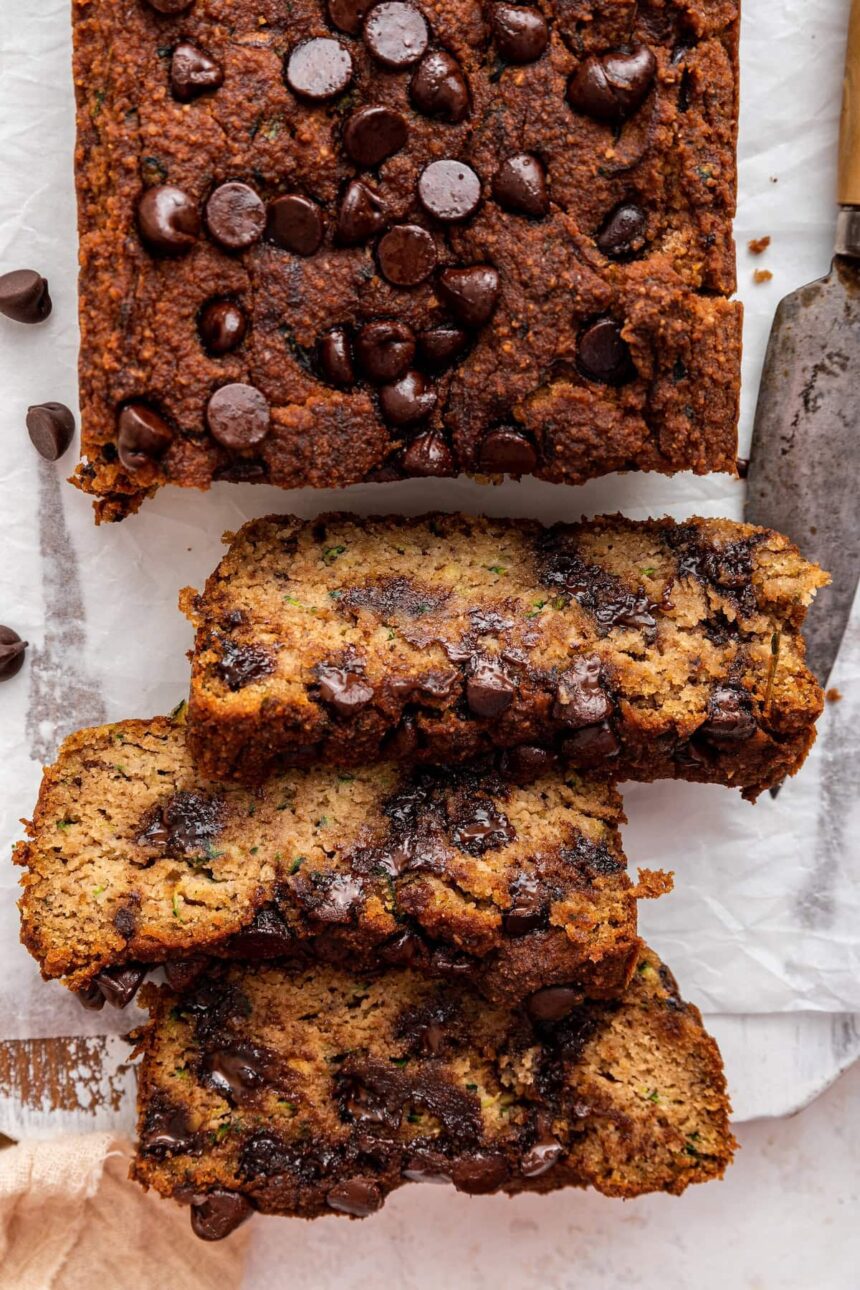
(670, 154)
(648, 649)
(512, 876)
(315, 1092)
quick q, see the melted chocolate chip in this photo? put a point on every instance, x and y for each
(541, 1157)
(295, 223)
(265, 1155)
(119, 985)
(236, 1069)
(267, 937)
(343, 689)
(193, 73)
(439, 346)
(222, 327)
(604, 354)
(407, 401)
(238, 417)
(181, 974)
(581, 698)
(428, 456)
(470, 293)
(143, 437)
(393, 598)
(319, 69)
(362, 214)
(480, 1174)
(520, 186)
(12, 650)
(553, 1002)
(357, 1197)
(610, 87)
(24, 296)
(396, 34)
(527, 763)
(239, 665)
(374, 133)
(439, 88)
(520, 33)
(168, 220)
(407, 255)
(623, 234)
(604, 596)
(51, 427)
(235, 216)
(430, 1167)
(330, 898)
(508, 452)
(489, 689)
(449, 190)
(479, 826)
(218, 1213)
(349, 15)
(730, 716)
(527, 909)
(591, 746)
(336, 358)
(385, 350)
(166, 1130)
(191, 823)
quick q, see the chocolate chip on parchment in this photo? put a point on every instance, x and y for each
(168, 220)
(428, 456)
(143, 436)
(449, 190)
(238, 416)
(407, 255)
(604, 354)
(336, 358)
(218, 1213)
(521, 33)
(610, 87)
(361, 215)
(396, 34)
(470, 293)
(385, 350)
(439, 88)
(357, 1196)
(408, 400)
(12, 650)
(222, 327)
(51, 427)
(24, 296)
(519, 185)
(235, 216)
(319, 69)
(374, 133)
(192, 72)
(623, 234)
(295, 223)
(508, 452)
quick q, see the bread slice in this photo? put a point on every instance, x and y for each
(507, 872)
(640, 650)
(308, 1091)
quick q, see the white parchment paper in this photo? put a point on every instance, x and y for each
(766, 915)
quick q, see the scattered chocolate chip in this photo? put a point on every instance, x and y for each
(90, 997)
(540, 1158)
(119, 985)
(610, 87)
(362, 214)
(218, 1213)
(730, 717)
(521, 34)
(222, 327)
(407, 255)
(24, 296)
(295, 223)
(439, 88)
(168, 220)
(396, 34)
(449, 190)
(356, 1196)
(267, 937)
(553, 1002)
(471, 294)
(51, 427)
(319, 69)
(604, 354)
(192, 72)
(142, 436)
(439, 346)
(428, 456)
(11, 653)
(407, 401)
(479, 1174)
(235, 216)
(169, 6)
(623, 234)
(385, 350)
(348, 15)
(374, 133)
(238, 416)
(520, 186)
(582, 700)
(743, 467)
(489, 690)
(592, 745)
(335, 357)
(508, 452)
(344, 690)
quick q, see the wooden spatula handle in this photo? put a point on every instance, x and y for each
(849, 134)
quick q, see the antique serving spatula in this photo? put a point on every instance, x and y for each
(803, 477)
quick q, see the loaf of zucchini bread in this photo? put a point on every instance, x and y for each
(503, 873)
(638, 650)
(307, 1091)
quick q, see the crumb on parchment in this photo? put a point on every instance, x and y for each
(758, 245)
(762, 275)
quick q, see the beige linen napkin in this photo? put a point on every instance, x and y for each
(70, 1219)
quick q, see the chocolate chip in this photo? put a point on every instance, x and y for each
(623, 234)
(235, 1069)
(407, 255)
(592, 746)
(582, 700)
(479, 1174)
(610, 87)
(235, 216)
(142, 436)
(428, 456)
(192, 72)
(181, 974)
(471, 294)
(166, 1130)
(193, 821)
(407, 401)
(396, 34)
(439, 346)
(374, 133)
(527, 911)
(295, 223)
(267, 937)
(335, 357)
(348, 15)
(604, 354)
(51, 427)
(170, 6)
(239, 665)
(553, 1002)
(508, 452)
(362, 214)
(357, 1196)
(168, 220)
(90, 997)
(238, 416)
(439, 88)
(520, 186)
(385, 350)
(521, 34)
(540, 1158)
(730, 717)
(119, 985)
(527, 763)
(344, 690)
(319, 69)
(218, 1213)
(11, 653)
(449, 190)
(24, 296)
(222, 327)
(428, 1169)
(489, 690)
